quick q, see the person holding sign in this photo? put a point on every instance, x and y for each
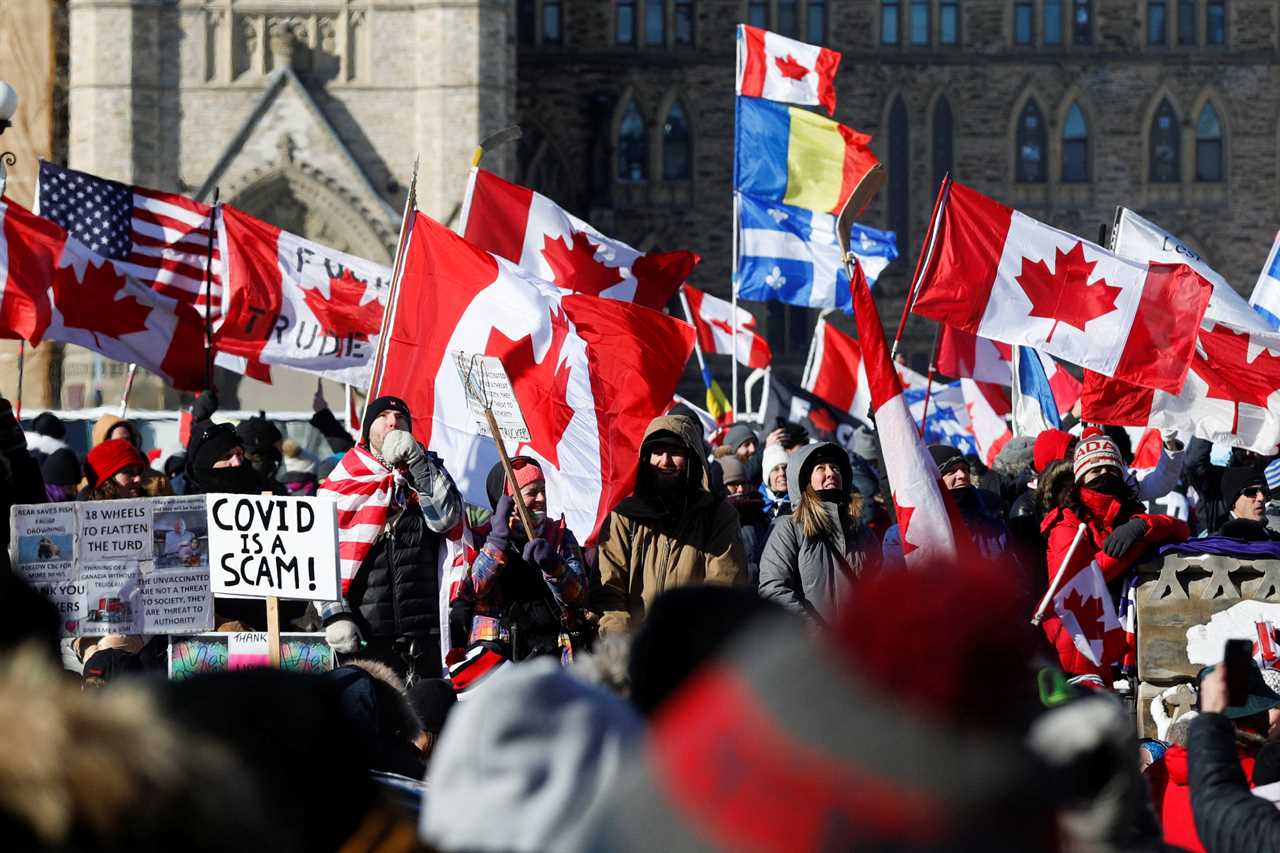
(525, 591)
(395, 502)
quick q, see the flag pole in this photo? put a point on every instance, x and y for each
(697, 346)
(208, 302)
(813, 348)
(928, 384)
(22, 357)
(923, 261)
(128, 387)
(733, 284)
(397, 270)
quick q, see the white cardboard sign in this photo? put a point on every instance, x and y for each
(261, 546)
(485, 381)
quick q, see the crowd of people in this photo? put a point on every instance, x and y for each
(741, 660)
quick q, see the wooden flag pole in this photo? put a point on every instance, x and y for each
(273, 630)
(525, 518)
(1057, 578)
(22, 358)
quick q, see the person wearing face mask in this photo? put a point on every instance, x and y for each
(262, 439)
(526, 593)
(980, 509)
(672, 531)
(814, 555)
(216, 462)
(1118, 534)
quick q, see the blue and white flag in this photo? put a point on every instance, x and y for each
(947, 416)
(1266, 293)
(1034, 407)
(790, 254)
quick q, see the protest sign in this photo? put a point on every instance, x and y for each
(261, 547)
(489, 391)
(42, 550)
(176, 601)
(112, 598)
(180, 532)
(115, 530)
(211, 652)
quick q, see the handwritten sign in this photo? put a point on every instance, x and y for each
(115, 530)
(273, 546)
(486, 384)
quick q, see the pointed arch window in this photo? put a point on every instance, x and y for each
(1208, 145)
(943, 140)
(633, 146)
(676, 155)
(1165, 147)
(1075, 147)
(1032, 143)
(899, 199)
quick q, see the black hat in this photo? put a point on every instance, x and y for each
(62, 468)
(432, 700)
(377, 407)
(1260, 697)
(258, 433)
(49, 424)
(1238, 478)
(945, 457)
(209, 443)
(108, 664)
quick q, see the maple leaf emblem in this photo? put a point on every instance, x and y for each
(1222, 360)
(1065, 295)
(789, 68)
(904, 524)
(93, 301)
(342, 314)
(541, 387)
(1088, 612)
(574, 265)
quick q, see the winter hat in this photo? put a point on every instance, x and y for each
(209, 443)
(174, 465)
(945, 457)
(258, 433)
(432, 700)
(1016, 457)
(1096, 450)
(1237, 479)
(538, 747)
(110, 458)
(1272, 473)
(47, 423)
(105, 424)
(527, 470)
(62, 468)
(732, 470)
(376, 407)
(1051, 445)
(774, 455)
(738, 435)
(1261, 697)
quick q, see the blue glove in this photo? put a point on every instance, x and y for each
(500, 523)
(538, 553)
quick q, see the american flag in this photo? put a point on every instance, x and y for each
(159, 238)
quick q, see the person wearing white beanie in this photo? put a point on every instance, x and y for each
(774, 488)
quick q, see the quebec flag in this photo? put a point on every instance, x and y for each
(1266, 293)
(790, 254)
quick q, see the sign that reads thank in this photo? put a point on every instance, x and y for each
(271, 546)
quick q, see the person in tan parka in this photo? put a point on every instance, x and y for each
(671, 532)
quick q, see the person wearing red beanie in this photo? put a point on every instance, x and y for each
(114, 469)
(1052, 445)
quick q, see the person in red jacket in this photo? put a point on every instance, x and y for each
(1118, 532)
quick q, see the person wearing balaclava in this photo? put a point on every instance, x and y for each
(525, 592)
(1117, 534)
(816, 554)
(261, 439)
(981, 509)
(672, 531)
(216, 462)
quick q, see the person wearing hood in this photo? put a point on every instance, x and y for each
(47, 436)
(814, 555)
(1117, 534)
(525, 592)
(777, 500)
(752, 520)
(672, 531)
(113, 426)
(261, 440)
(62, 475)
(216, 462)
(981, 510)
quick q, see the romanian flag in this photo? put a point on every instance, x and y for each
(717, 403)
(797, 157)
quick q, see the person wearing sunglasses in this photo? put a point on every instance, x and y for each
(1244, 492)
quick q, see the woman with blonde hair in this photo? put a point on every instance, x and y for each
(814, 555)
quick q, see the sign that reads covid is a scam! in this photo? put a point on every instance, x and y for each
(262, 546)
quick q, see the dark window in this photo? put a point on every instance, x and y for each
(526, 12)
(889, 20)
(899, 202)
(1187, 22)
(655, 23)
(684, 21)
(1082, 22)
(943, 141)
(633, 146)
(949, 22)
(551, 22)
(920, 21)
(1156, 23)
(1053, 21)
(758, 13)
(625, 22)
(789, 18)
(815, 21)
(675, 146)
(1024, 23)
(1075, 147)
(1165, 146)
(1032, 143)
(1208, 145)
(1215, 30)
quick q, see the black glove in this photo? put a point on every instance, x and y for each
(538, 553)
(1124, 537)
(204, 406)
(500, 523)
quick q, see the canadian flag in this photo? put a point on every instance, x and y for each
(835, 371)
(999, 274)
(295, 303)
(588, 374)
(990, 430)
(925, 516)
(963, 355)
(715, 320)
(1084, 620)
(55, 288)
(782, 69)
(534, 233)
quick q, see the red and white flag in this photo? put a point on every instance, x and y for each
(782, 69)
(1083, 624)
(835, 372)
(990, 430)
(929, 537)
(588, 374)
(999, 274)
(715, 320)
(536, 234)
(962, 355)
(295, 303)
